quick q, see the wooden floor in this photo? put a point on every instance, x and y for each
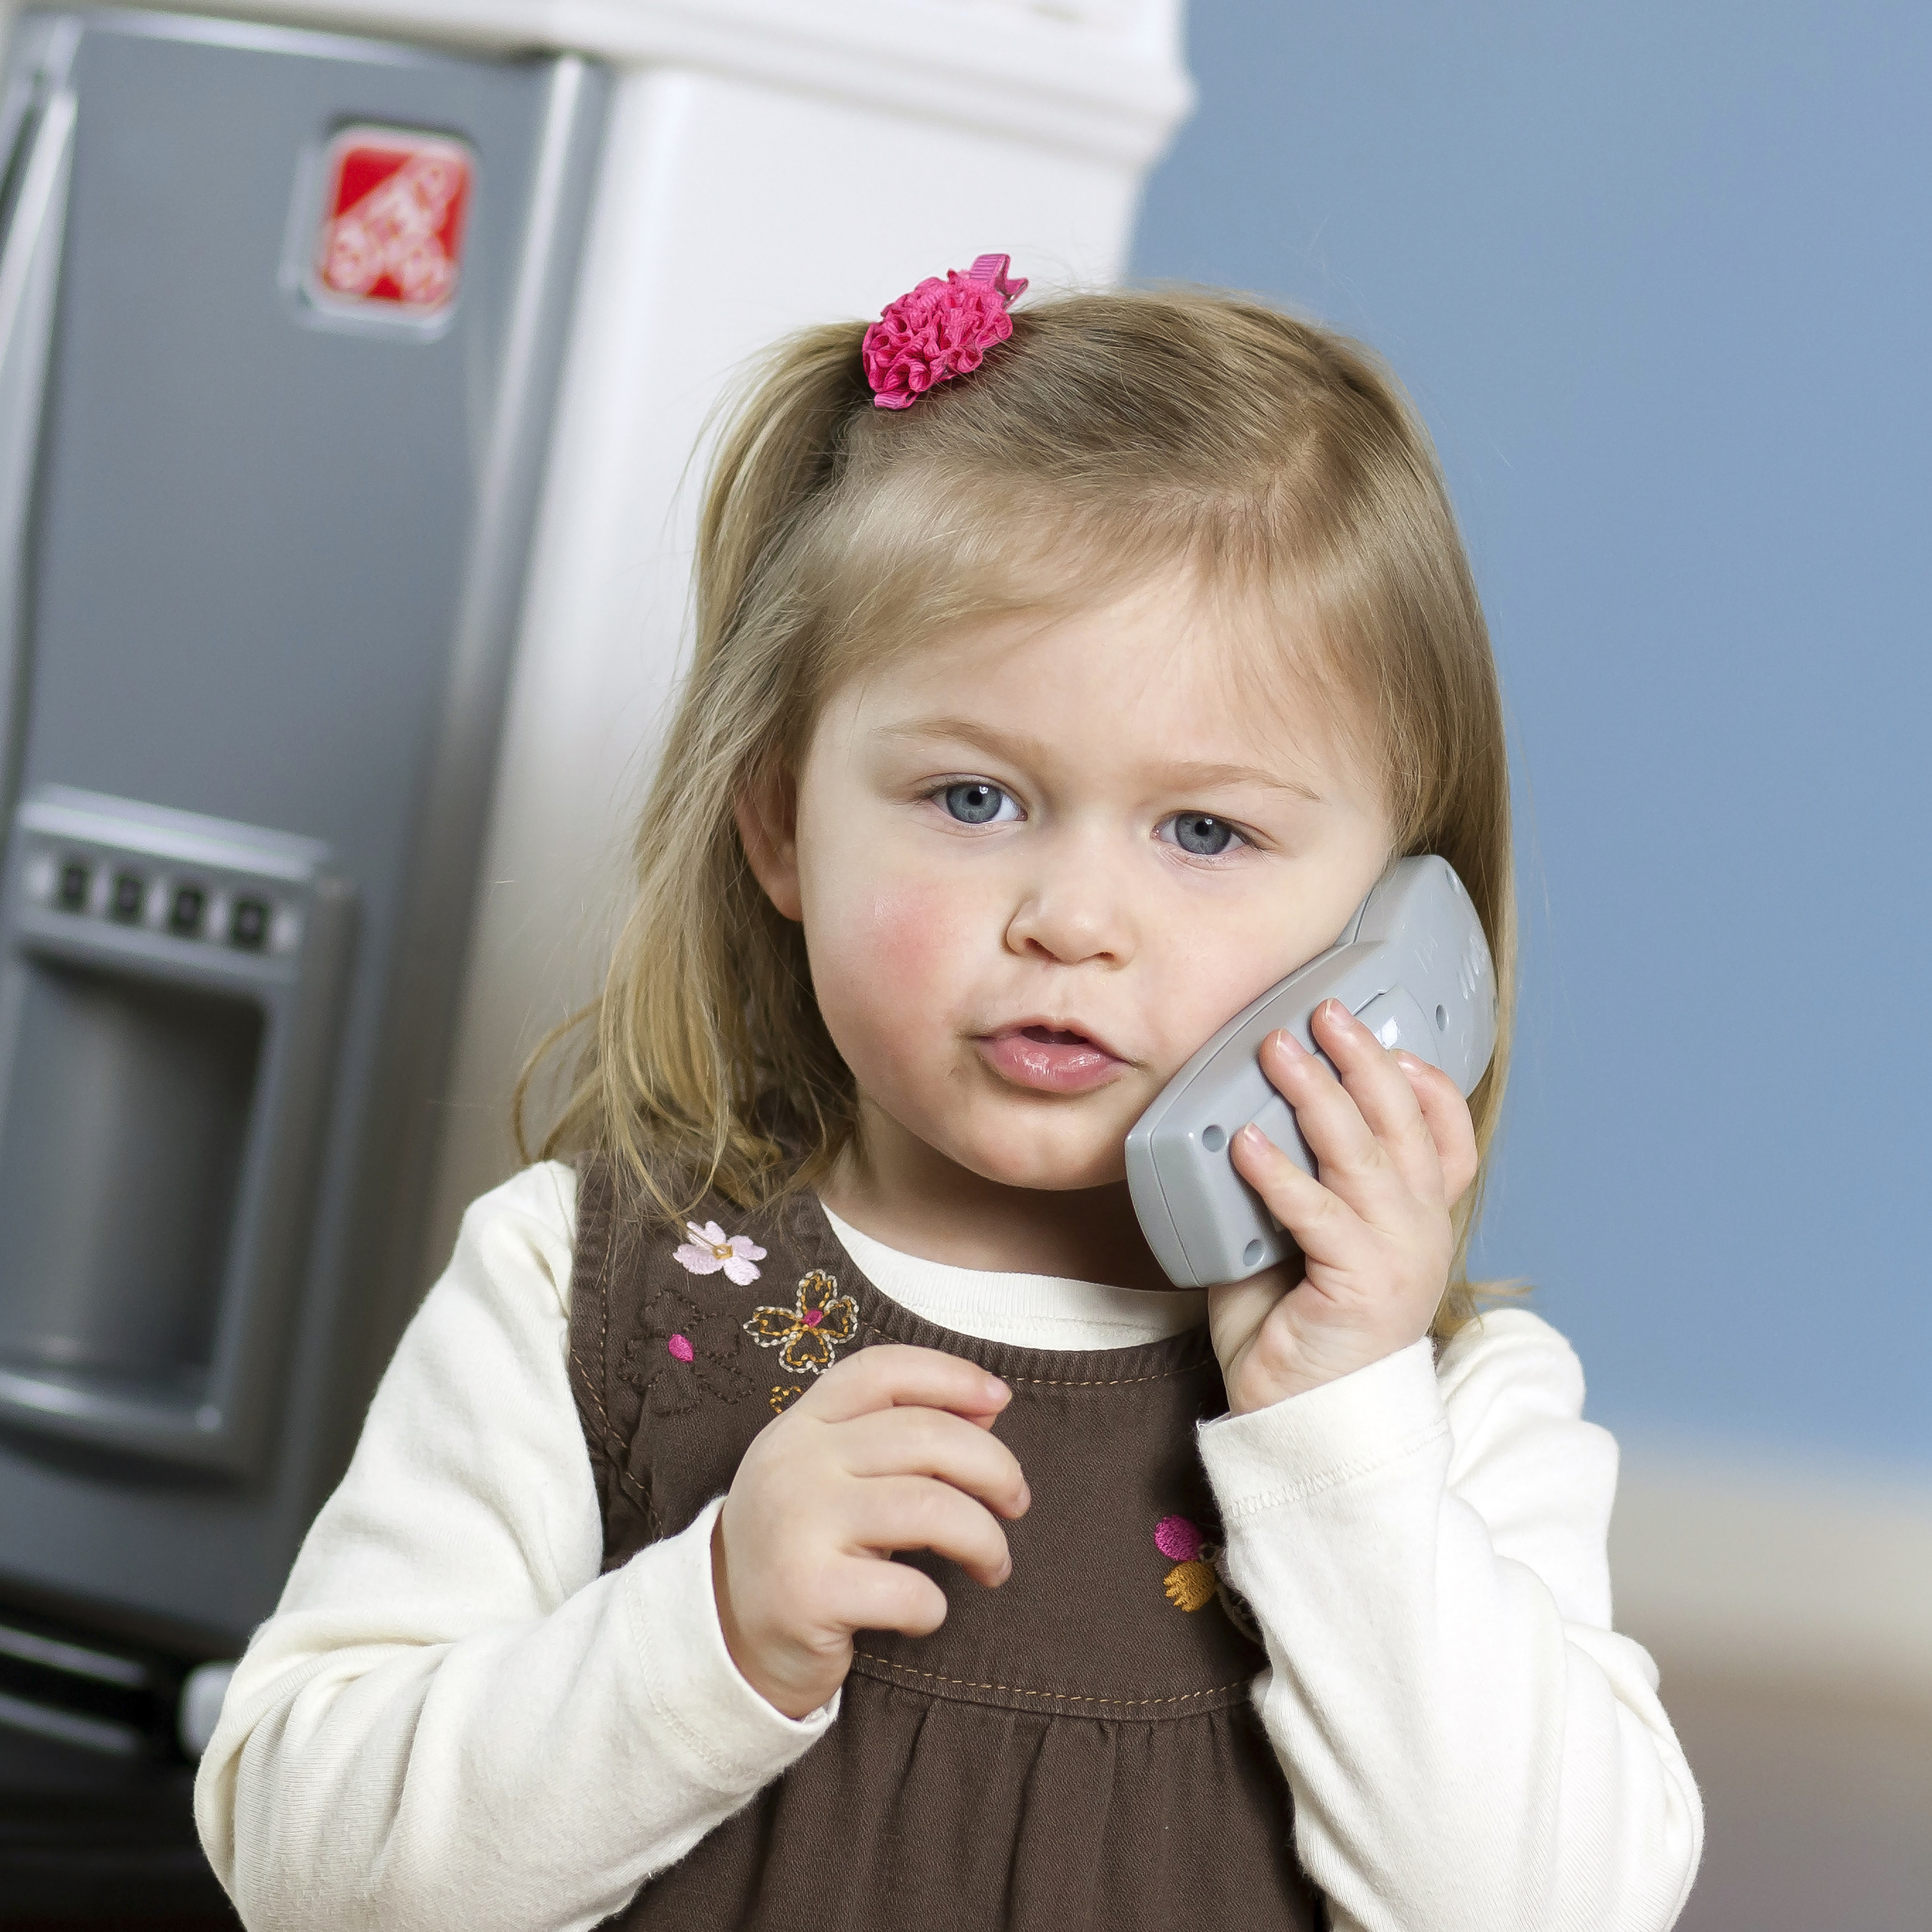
(1818, 1812)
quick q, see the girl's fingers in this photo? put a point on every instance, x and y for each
(889, 1596)
(929, 1442)
(1330, 1121)
(1365, 1129)
(891, 1513)
(1446, 1114)
(1387, 1099)
(1314, 1214)
(895, 1375)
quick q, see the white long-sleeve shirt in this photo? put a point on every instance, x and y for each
(453, 1721)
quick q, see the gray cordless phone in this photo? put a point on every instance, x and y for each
(1412, 965)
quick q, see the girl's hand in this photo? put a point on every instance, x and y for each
(1395, 1148)
(890, 1449)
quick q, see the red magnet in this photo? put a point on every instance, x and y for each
(391, 236)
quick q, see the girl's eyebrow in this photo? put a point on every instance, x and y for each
(1020, 748)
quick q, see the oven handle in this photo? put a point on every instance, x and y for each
(29, 283)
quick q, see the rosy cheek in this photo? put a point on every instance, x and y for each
(919, 931)
(888, 967)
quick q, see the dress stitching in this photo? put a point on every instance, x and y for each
(596, 1396)
(605, 1269)
(1060, 1696)
(601, 1275)
(614, 1447)
(1055, 1381)
(624, 1476)
(594, 1384)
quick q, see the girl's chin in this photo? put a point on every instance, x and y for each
(1006, 1135)
(1049, 1179)
(1017, 1153)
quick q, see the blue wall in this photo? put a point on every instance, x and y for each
(1659, 278)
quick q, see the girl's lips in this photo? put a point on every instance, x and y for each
(1049, 1060)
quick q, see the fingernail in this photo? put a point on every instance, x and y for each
(1290, 1045)
(996, 1390)
(1026, 1498)
(1251, 1136)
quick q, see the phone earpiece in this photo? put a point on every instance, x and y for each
(1413, 965)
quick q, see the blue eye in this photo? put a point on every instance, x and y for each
(1199, 832)
(976, 802)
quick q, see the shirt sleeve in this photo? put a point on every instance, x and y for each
(452, 1721)
(1469, 1745)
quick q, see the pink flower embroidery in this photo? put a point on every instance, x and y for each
(940, 330)
(679, 1346)
(1198, 1575)
(708, 1250)
(1191, 1582)
(1175, 1536)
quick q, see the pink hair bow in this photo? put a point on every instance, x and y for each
(940, 330)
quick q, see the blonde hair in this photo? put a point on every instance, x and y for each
(1279, 461)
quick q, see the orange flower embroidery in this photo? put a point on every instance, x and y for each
(808, 1336)
(1191, 1582)
(1196, 1579)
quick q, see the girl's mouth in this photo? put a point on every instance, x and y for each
(1049, 1060)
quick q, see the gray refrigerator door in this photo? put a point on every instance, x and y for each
(280, 319)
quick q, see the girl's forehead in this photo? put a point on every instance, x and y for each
(1158, 673)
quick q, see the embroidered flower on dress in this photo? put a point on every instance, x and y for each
(1191, 1582)
(708, 1249)
(783, 1396)
(680, 1353)
(809, 1335)
(1200, 1573)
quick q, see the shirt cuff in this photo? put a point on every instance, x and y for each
(739, 1741)
(1305, 1444)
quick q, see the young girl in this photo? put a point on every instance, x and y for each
(813, 1508)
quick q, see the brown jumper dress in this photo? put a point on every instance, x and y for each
(1074, 1751)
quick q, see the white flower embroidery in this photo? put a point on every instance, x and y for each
(708, 1250)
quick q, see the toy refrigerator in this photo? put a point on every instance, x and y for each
(281, 314)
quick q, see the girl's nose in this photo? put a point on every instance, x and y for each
(1077, 915)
